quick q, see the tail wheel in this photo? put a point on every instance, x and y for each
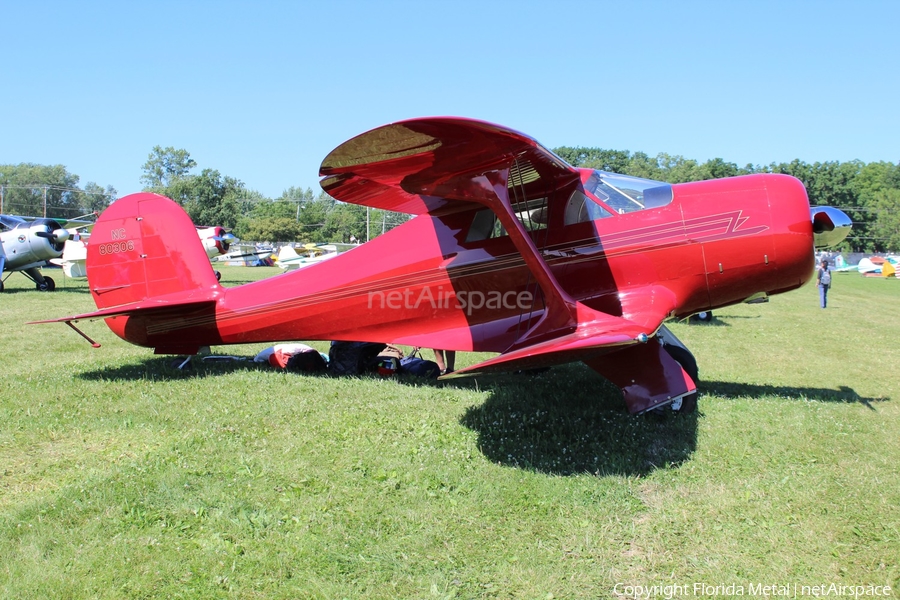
(704, 317)
(687, 361)
(48, 285)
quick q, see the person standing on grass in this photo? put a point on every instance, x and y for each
(446, 360)
(823, 281)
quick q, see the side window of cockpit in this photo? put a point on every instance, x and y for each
(580, 208)
(533, 214)
(624, 194)
(485, 226)
(621, 201)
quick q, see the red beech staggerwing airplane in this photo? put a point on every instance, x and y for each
(512, 251)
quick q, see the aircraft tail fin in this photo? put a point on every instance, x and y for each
(144, 246)
(287, 252)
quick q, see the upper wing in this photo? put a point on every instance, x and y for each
(436, 165)
(443, 164)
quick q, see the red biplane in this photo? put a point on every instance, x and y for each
(512, 251)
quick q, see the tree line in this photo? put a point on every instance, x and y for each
(868, 192)
(39, 190)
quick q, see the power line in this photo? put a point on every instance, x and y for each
(41, 186)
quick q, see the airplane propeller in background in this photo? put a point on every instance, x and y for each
(216, 240)
(57, 236)
(27, 244)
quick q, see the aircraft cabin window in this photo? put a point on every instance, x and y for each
(580, 208)
(533, 214)
(626, 194)
(485, 226)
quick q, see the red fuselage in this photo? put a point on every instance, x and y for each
(715, 243)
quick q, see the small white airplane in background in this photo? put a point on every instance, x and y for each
(216, 240)
(289, 260)
(246, 255)
(26, 244)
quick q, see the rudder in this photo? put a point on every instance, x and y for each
(145, 246)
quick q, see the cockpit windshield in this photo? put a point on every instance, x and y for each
(10, 222)
(625, 194)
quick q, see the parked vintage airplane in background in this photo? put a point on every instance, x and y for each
(26, 244)
(289, 260)
(513, 251)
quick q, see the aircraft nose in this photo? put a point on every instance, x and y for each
(830, 226)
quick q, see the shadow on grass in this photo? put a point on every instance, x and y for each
(730, 389)
(564, 421)
(165, 368)
(570, 421)
(717, 321)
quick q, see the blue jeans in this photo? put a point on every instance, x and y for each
(823, 295)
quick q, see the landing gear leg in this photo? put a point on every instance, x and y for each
(182, 363)
(683, 356)
(43, 284)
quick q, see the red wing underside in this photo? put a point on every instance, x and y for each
(441, 165)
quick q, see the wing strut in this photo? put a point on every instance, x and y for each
(82, 334)
(560, 315)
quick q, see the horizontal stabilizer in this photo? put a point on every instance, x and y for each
(154, 305)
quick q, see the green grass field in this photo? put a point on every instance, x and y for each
(122, 478)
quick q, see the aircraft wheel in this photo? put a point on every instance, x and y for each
(689, 364)
(48, 285)
(218, 276)
(1, 286)
(705, 316)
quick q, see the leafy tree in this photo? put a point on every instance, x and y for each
(95, 198)
(313, 218)
(886, 227)
(615, 161)
(164, 167)
(34, 190)
(209, 198)
(877, 186)
(345, 221)
(297, 195)
(276, 208)
(641, 165)
(717, 169)
(271, 229)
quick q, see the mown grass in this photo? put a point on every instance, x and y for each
(123, 478)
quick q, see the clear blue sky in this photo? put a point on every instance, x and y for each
(263, 90)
